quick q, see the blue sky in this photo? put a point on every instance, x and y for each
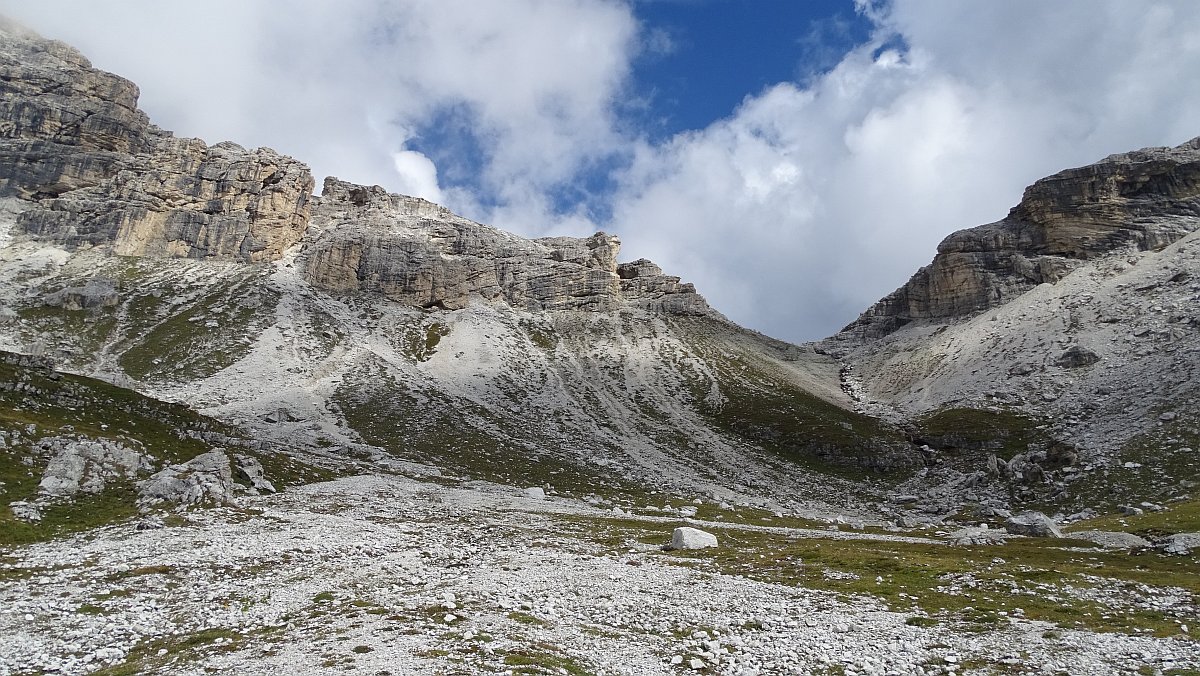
(714, 53)
(796, 160)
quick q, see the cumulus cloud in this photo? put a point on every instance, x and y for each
(351, 88)
(808, 202)
(417, 175)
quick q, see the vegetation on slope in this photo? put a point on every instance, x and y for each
(37, 402)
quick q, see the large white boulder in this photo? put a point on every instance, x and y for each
(686, 537)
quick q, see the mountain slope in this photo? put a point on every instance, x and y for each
(359, 324)
(1078, 309)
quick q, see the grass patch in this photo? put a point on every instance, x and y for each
(970, 588)
(543, 659)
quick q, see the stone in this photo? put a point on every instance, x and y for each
(25, 511)
(686, 537)
(1181, 544)
(534, 493)
(1111, 539)
(1130, 510)
(94, 172)
(1077, 356)
(1032, 524)
(84, 466)
(205, 479)
(250, 470)
(976, 535)
(419, 254)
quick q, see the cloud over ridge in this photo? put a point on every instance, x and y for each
(794, 212)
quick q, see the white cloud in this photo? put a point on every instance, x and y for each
(810, 201)
(418, 175)
(344, 86)
(809, 204)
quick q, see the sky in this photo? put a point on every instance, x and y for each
(796, 160)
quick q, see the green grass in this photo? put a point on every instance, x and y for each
(1166, 472)
(183, 649)
(543, 659)
(56, 404)
(976, 433)
(763, 407)
(1176, 517)
(462, 438)
(1030, 574)
(180, 344)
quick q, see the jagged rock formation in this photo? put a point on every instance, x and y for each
(73, 142)
(1142, 200)
(416, 253)
(86, 466)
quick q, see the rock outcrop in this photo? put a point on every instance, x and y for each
(417, 253)
(81, 466)
(1143, 200)
(205, 479)
(95, 171)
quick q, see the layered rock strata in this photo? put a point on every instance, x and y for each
(95, 172)
(416, 253)
(1145, 199)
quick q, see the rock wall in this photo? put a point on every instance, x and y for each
(97, 173)
(417, 253)
(1145, 199)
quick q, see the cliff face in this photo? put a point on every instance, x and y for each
(417, 253)
(1141, 200)
(96, 172)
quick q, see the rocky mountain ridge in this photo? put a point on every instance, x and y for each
(482, 444)
(1142, 200)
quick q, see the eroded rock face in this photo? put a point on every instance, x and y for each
(73, 142)
(205, 479)
(1145, 199)
(87, 466)
(417, 253)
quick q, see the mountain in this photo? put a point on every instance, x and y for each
(246, 428)
(1077, 308)
(364, 324)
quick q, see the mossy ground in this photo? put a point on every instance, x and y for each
(968, 588)
(48, 404)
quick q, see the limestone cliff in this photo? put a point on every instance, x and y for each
(96, 173)
(1142, 200)
(417, 253)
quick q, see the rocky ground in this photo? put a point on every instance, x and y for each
(390, 575)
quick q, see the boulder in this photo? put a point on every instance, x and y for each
(1077, 356)
(977, 535)
(86, 466)
(206, 479)
(686, 537)
(250, 470)
(535, 493)
(1181, 544)
(1032, 524)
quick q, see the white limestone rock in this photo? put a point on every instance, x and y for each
(205, 479)
(686, 537)
(87, 466)
(1032, 524)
